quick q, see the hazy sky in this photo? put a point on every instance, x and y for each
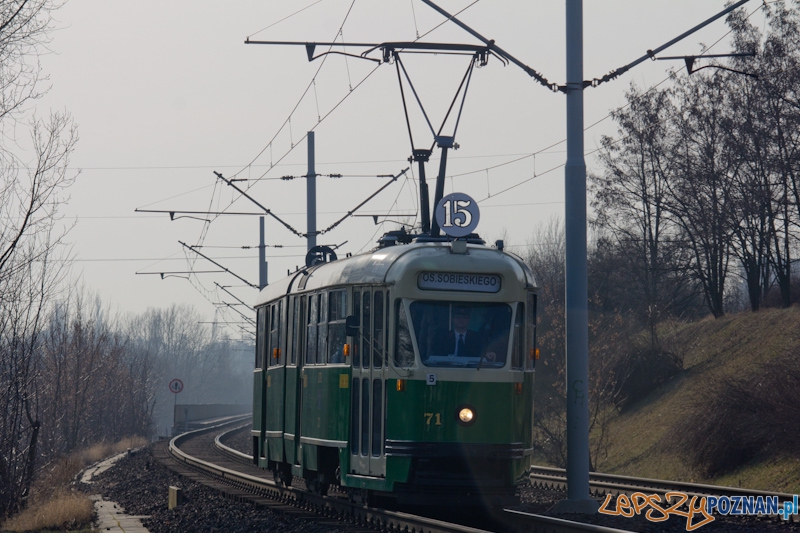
(166, 93)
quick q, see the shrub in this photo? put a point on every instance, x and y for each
(62, 471)
(639, 372)
(65, 510)
(733, 420)
(52, 505)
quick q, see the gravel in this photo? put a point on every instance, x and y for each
(140, 484)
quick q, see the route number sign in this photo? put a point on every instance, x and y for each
(457, 214)
(176, 386)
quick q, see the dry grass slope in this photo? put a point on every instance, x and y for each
(53, 505)
(65, 510)
(646, 438)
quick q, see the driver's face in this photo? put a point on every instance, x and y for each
(461, 321)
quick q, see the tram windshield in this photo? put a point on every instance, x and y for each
(462, 334)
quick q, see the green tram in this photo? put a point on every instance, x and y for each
(359, 383)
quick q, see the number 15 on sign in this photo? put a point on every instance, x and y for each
(457, 214)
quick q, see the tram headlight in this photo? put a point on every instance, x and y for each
(465, 415)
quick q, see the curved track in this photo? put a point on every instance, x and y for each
(231, 471)
(601, 484)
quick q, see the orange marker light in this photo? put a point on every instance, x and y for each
(346, 350)
(276, 353)
(517, 388)
(534, 353)
(401, 385)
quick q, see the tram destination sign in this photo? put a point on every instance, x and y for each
(458, 281)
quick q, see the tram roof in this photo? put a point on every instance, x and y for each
(376, 267)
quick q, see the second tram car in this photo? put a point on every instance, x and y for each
(406, 372)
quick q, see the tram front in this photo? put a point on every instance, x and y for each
(459, 404)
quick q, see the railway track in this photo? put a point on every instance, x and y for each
(201, 455)
(602, 484)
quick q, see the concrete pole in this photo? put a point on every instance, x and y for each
(311, 195)
(262, 256)
(577, 311)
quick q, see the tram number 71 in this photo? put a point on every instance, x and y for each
(430, 416)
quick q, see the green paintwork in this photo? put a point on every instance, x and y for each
(527, 393)
(368, 483)
(310, 457)
(501, 417)
(276, 392)
(397, 469)
(290, 414)
(326, 402)
(427, 413)
(258, 406)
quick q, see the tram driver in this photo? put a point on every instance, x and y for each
(461, 341)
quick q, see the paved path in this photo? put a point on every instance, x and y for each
(110, 516)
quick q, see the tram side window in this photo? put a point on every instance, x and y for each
(366, 328)
(403, 348)
(386, 330)
(357, 313)
(294, 330)
(260, 320)
(268, 337)
(530, 340)
(518, 350)
(275, 334)
(322, 329)
(337, 311)
(378, 331)
(313, 317)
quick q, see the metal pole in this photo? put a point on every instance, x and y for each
(262, 256)
(577, 325)
(424, 200)
(439, 194)
(311, 195)
(422, 157)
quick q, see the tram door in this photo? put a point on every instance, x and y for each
(367, 406)
(300, 317)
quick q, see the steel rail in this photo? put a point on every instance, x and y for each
(382, 519)
(615, 484)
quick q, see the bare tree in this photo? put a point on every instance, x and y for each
(33, 177)
(630, 197)
(171, 343)
(546, 254)
(699, 196)
(779, 64)
(764, 120)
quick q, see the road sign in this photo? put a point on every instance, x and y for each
(176, 386)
